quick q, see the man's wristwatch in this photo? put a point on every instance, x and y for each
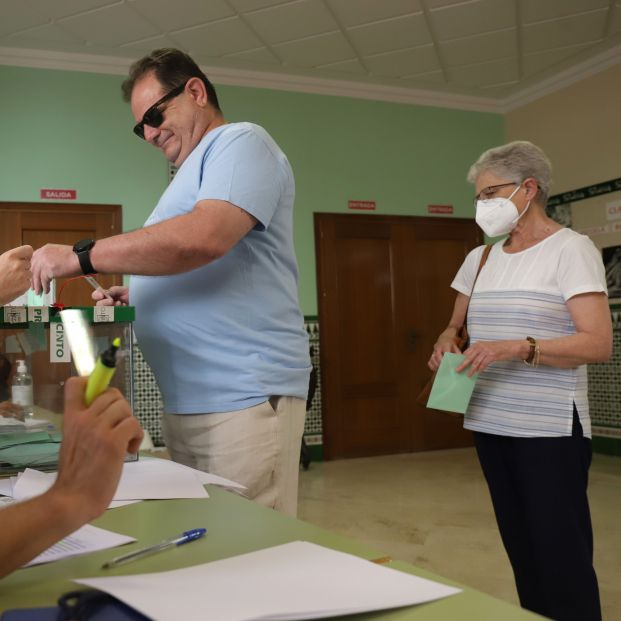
(83, 249)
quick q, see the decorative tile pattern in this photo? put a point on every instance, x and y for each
(605, 385)
(313, 426)
(148, 405)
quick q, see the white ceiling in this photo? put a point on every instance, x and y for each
(466, 53)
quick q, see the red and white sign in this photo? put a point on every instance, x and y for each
(361, 205)
(613, 210)
(596, 230)
(65, 195)
(446, 209)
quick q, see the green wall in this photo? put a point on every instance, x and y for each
(64, 129)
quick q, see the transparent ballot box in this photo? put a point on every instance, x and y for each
(35, 361)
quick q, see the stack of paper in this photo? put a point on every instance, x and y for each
(297, 580)
(29, 448)
(145, 479)
(140, 480)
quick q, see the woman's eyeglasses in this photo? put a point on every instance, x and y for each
(489, 191)
(154, 117)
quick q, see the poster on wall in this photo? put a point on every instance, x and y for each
(560, 213)
(612, 263)
(595, 211)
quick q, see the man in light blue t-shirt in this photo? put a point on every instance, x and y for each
(214, 284)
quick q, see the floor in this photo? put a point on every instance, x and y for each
(433, 510)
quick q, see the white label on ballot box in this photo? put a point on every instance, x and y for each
(15, 314)
(59, 346)
(38, 314)
(103, 314)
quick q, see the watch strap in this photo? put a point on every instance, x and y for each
(84, 257)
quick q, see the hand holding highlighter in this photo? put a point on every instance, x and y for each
(104, 369)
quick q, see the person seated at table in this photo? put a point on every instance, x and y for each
(14, 280)
(95, 441)
(15, 273)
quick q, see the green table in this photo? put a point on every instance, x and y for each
(235, 526)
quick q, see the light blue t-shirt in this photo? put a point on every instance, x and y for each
(230, 334)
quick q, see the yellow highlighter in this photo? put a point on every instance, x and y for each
(104, 369)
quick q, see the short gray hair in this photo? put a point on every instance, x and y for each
(516, 161)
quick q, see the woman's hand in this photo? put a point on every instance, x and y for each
(480, 355)
(443, 344)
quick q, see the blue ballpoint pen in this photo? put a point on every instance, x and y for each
(186, 537)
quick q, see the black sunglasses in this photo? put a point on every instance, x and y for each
(154, 117)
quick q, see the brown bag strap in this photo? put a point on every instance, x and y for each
(483, 261)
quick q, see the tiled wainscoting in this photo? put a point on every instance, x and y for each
(605, 396)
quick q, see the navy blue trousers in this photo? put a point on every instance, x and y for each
(539, 492)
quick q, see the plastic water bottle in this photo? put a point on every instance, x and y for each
(21, 389)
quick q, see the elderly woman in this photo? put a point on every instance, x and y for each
(537, 315)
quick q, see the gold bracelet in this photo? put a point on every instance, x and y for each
(533, 360)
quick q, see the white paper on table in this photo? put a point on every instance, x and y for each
(145, 479)
(34, 483)
(9, 421)
(340, 584)
(29, 423)
(115, 504)
(158, 479)
(205, 478)
(82, 541)
(6, 487)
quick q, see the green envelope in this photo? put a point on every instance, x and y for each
(451, 391)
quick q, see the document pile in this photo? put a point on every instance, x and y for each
(145, 479)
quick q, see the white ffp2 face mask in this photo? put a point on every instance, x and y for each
(498, 216)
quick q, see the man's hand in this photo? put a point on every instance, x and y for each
(95, 441)
(8, 409)
(53, 261)
(119, 295)
(14, 273)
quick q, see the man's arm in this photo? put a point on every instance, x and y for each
(95, 441)
(177, 245)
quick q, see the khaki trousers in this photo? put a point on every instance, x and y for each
(258, 447)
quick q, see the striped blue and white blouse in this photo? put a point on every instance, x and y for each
(525, 294)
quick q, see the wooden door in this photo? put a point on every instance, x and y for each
(38, 224)
(384, 296)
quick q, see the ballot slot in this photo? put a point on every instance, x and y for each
(53, 350)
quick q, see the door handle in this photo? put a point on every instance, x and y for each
(412, 337)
